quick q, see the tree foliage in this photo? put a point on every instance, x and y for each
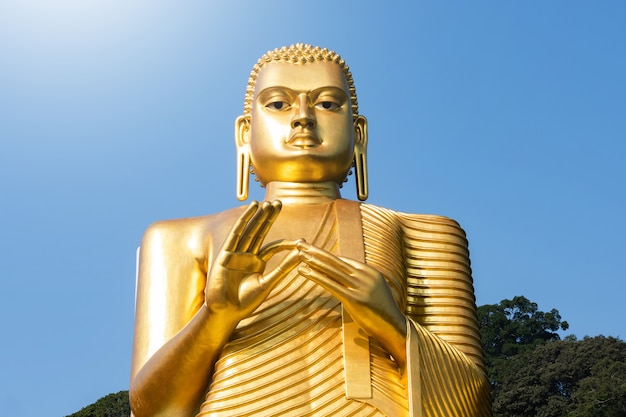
(113, 405)
(510, 328)
(603, 392)
(514, 326)
(534, 373)
(565, 379)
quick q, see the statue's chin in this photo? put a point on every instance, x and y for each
(305, 168)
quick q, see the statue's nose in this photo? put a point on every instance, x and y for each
(304, 117)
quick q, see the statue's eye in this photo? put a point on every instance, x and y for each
(278, 105)
(327, 105)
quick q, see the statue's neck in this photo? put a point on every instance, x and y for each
(292, 193)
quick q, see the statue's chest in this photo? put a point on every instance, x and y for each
(303, 222)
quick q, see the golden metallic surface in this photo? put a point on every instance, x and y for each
(306, 304)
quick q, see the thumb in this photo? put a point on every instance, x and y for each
(257, 286)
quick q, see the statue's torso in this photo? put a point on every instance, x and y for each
(288, 353)
(287, 358)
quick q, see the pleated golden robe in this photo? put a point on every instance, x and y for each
(289, 358)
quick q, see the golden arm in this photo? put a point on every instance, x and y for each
(441, 304)
(176, 342)
(439, 282)
(184, 318)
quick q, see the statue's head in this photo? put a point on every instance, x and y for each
(300, 121)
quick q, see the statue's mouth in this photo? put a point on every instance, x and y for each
(303, 140)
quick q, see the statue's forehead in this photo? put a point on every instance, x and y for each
(301, 77)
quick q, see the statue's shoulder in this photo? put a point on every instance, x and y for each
(191, 230)
(421, 230)
(434, 220)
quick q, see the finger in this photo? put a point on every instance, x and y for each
(265, 227)
(285, 266)
(238, 228)
(258, 286)
(255, 226)
(326, 262)
(358, 266)
(242, 261)
(272, 248)
(337, 289)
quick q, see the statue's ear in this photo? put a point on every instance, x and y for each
(360, 157)
(242, 142)
(242, 130)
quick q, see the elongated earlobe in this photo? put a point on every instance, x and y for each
(360, 157)
(242, 142)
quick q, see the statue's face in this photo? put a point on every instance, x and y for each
(301, 128)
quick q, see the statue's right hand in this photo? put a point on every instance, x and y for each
(237, 282)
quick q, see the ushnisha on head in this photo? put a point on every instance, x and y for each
(301, 123)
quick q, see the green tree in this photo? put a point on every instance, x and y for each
(517, 325)
(113, 405)
(510, 328)
(603, 392)
(565, 378)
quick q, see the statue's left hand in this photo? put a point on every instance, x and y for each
(363, 292)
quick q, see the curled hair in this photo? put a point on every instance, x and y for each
(299, 53)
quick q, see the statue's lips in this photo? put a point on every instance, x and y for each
(303, 140)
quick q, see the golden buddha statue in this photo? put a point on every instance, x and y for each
(306, 304)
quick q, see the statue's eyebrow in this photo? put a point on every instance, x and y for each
(339, 92)
(335, 91)
(263, 94)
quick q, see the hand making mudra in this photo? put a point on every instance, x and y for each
(306, 303)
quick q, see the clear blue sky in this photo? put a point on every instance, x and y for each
(507, 116)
